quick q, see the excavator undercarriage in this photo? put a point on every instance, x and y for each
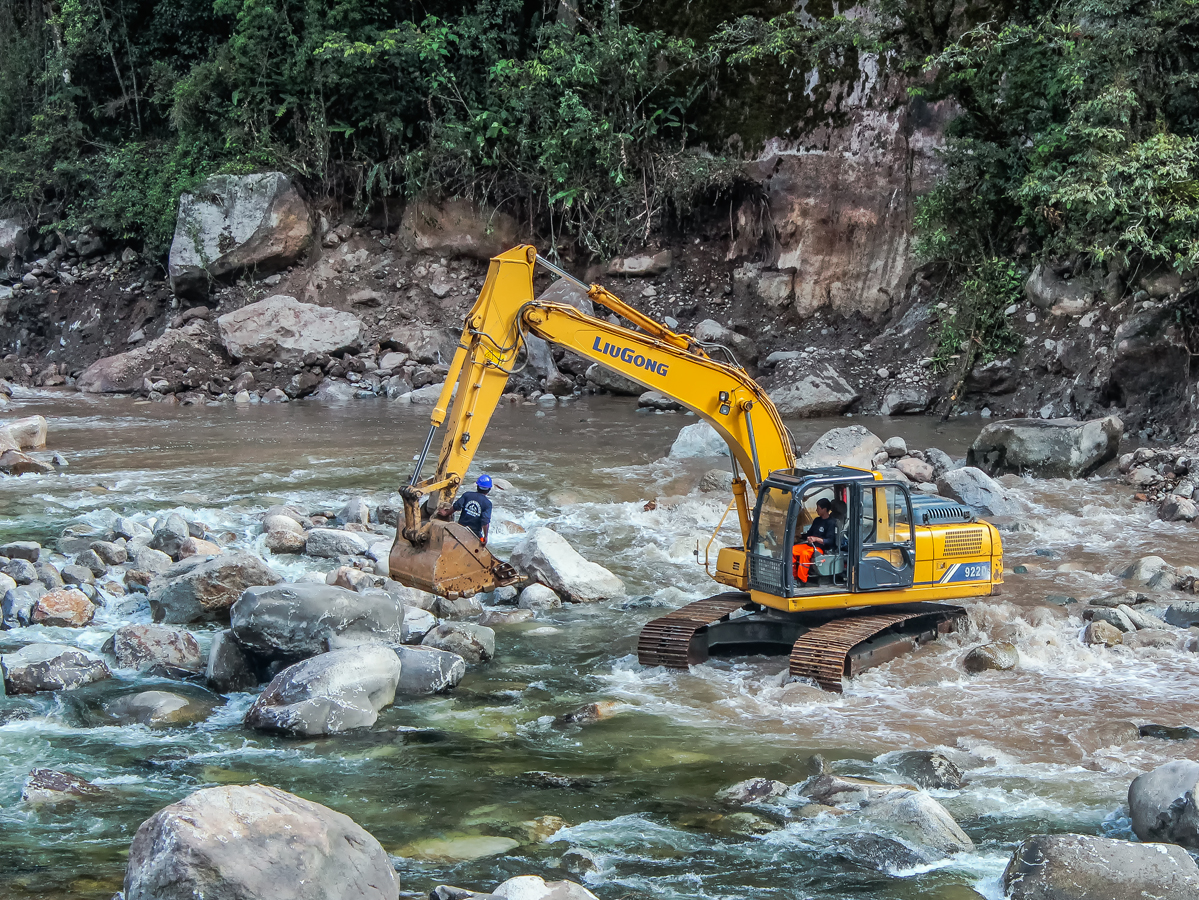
(825, 645)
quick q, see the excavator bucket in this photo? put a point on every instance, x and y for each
(453, 563)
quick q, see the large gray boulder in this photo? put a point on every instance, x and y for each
(145, 646)
(852, 445)
(229, 668)
(474, 643)
(282, 329)
(546, 556)
(333, 692)
(1164, 804)
(698, 441)
(605, 379)
(50, 667)
(427, 670)
(295, 621)
(329, 543)
(811, 390)
(979, 491)
(196, 589)
(233, 223)
(1048, 448)
(1083, 867)
(253, 842)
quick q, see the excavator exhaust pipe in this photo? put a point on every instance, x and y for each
(451, 563)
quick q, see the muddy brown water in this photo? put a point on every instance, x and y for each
(449, 776)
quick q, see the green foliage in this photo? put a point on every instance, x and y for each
(973, 324)
(1079, 136)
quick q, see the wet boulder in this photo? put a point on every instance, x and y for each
(147, 559)
(286, 542)
(1184, 614)
(883, 854)
(29, 551)
(533, 887)
(50, 667)
(807, 390)
(157, 709)
(1047, 448)
(1084, 867)
(143, 647)
(233, 223)
(538, 597)
(21, 571)
(605, 379)
(200, 590)
(14, 462)
(996, 656)
(1164, 804)
(91, 561)
(1100, 633)
(427, 670)
(294, 621)
(906, 400)
(65, 608)
(18, 604)
(169, 535)
(546, 556)
(282, 329)
(850, 446)
(333, 692)
(753, 790)
(229, 668)
(329, 543)
(28, 433)
(976, 489)
(927, 768)
(50, 787)
(417, 623)
(474, 643)
(698, 441)
(109, 553)
(225, 843)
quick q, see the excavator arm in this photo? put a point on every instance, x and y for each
(446, 558)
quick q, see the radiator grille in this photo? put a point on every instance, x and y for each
(963, 543)
(767, 574)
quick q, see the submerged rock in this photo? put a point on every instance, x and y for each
(52, 787)
(474, 643)
(50, 667)
(293, 621)
(546, 556)
(1164, 804)
(199, 590)
(1047, 448)
(754, 790)
(698, 441)
(157, 709)
(1083, 867)
(184, 851)
(927, 768)
(333, 692)
(997, 655)
(457, 848)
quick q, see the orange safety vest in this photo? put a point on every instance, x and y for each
(801, 559)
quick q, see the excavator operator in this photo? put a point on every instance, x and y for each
(823, 533)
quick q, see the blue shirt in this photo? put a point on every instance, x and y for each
(476, 511)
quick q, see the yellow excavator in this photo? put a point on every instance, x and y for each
(867, 599)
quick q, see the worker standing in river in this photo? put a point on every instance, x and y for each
(475, 507)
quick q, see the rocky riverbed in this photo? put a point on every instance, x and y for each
(544, 749)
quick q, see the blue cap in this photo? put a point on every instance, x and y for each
(483, 483)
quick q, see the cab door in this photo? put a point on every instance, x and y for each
(884, 540)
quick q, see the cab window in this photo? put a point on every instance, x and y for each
(772, 524)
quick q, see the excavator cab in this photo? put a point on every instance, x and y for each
(874, 547)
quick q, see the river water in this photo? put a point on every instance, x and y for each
(448, 775)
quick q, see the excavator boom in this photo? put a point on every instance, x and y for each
(432, 554)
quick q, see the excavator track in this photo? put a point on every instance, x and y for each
(827, 653)
(668, 641)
